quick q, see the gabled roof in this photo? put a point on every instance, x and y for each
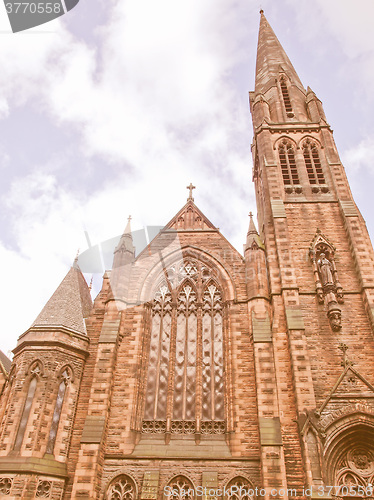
(271, 58)
(350, 384)
(190, 218)
(69, 305)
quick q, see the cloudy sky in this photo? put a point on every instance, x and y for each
(113, 109)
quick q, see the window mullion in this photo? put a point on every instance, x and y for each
(212, 365)
(157, 381)
(199, 355)
(185, 362)
(170, 394)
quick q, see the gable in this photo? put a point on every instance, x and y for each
(190, 218)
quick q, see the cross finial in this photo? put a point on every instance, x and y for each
(129, 218)
(250, 215)
(190, 187)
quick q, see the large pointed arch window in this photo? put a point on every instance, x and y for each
(185, 384)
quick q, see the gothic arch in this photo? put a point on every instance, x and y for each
(349, 451)
(239, 487)
(35, 368)
(70, 369)
(312, 139)
(177, 488)
(311, 149)
(33, 375)
(184, 353)
(283, 139)
(146, 289)
(64, 380)
(122, 487)
(313, 451)
(288, 164)
(234, 475)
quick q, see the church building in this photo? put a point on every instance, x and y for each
(198, 372)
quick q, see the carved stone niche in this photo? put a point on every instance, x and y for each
(328, 288)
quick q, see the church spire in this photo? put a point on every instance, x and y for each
(271, 59)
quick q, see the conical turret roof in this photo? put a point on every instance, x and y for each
(69, 304)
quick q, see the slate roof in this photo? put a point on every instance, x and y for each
(69, 305)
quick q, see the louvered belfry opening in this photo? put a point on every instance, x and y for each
(286, 98)
(288, 163)
(313, 163)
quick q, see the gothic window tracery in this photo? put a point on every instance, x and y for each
(179, 488)
(5, 485)
(288, 163)
(186, 344)
(65, 380)
(313, 164)
(44, 489)
(355, 470)
(122, 488)
(35, 371)
(239, 488)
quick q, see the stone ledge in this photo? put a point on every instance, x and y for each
(46, 465)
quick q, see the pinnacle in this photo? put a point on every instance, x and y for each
(253, 238)
(126, 243)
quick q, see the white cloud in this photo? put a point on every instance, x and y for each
(156, 101)
(360, 158)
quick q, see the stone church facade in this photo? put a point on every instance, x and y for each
(197, 372)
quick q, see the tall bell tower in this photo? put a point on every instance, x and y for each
(320, 269)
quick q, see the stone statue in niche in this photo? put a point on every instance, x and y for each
(329, 290)
(325, 271)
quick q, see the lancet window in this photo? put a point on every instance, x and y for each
(288, 163)
(35, 374)
(186, 345)
(313, 163)
(65, 380)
